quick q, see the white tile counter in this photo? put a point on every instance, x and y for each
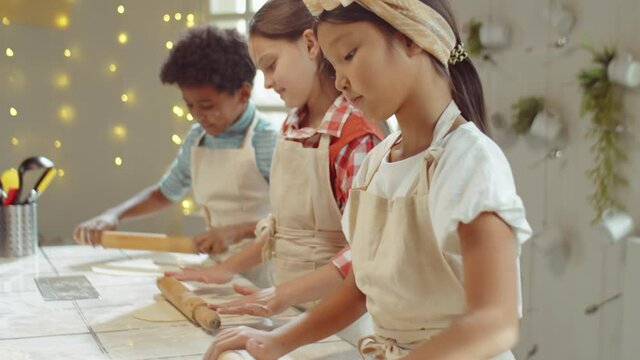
(104, 328)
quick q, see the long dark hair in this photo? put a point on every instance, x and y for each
(287, 20)
(463, 77)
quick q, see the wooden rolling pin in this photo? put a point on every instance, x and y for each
(189, 304)
(147, 241)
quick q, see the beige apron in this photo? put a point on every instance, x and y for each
(227, 183)
(229, 187)
(411, 289)
(306, 230)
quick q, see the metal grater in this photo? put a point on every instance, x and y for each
(66, 288)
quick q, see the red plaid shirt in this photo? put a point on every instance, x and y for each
(342, 261)
(347, 162)
(349, 158)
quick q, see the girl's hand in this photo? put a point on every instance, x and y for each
(262, 345)
(213, 241)
(256, 302)
(216, 274)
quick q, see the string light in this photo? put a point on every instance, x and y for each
(190, 20)
(16, 78)
(128, 97)
(61, 21)
(178, 111)
(187, 206)
(123, 38)
(66, 113)
(61, 80)
(120, 131)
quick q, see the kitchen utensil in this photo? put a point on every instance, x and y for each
(147, 241)
(189, 304)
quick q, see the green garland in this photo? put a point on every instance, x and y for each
(602, 100)
(474, 45)
(524, 112)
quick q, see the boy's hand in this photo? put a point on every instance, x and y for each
(90, 231)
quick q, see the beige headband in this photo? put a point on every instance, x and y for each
(410, 17)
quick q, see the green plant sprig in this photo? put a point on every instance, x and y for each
(602, 100)
(525, 111)
(474, 45)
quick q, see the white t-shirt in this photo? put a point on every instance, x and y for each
(472, 176)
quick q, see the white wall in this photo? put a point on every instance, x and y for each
(560, 284)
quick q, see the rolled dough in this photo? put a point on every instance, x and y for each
(160, 311)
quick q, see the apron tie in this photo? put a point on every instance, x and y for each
(432, 156)
(269, 224)
(311, 238)
(379, 347)
(434, 153)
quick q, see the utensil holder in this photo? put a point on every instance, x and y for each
(18, 230)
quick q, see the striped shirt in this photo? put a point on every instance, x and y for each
(176, 182)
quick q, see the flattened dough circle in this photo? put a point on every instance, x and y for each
(234, 355)
(160, 311)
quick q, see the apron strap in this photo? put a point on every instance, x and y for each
(378, 162)
(434, 152)
(201, 138)
(325, 141)
(445, 122)
(249, 135)
(203, 209)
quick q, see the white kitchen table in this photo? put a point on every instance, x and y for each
(104, 328)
